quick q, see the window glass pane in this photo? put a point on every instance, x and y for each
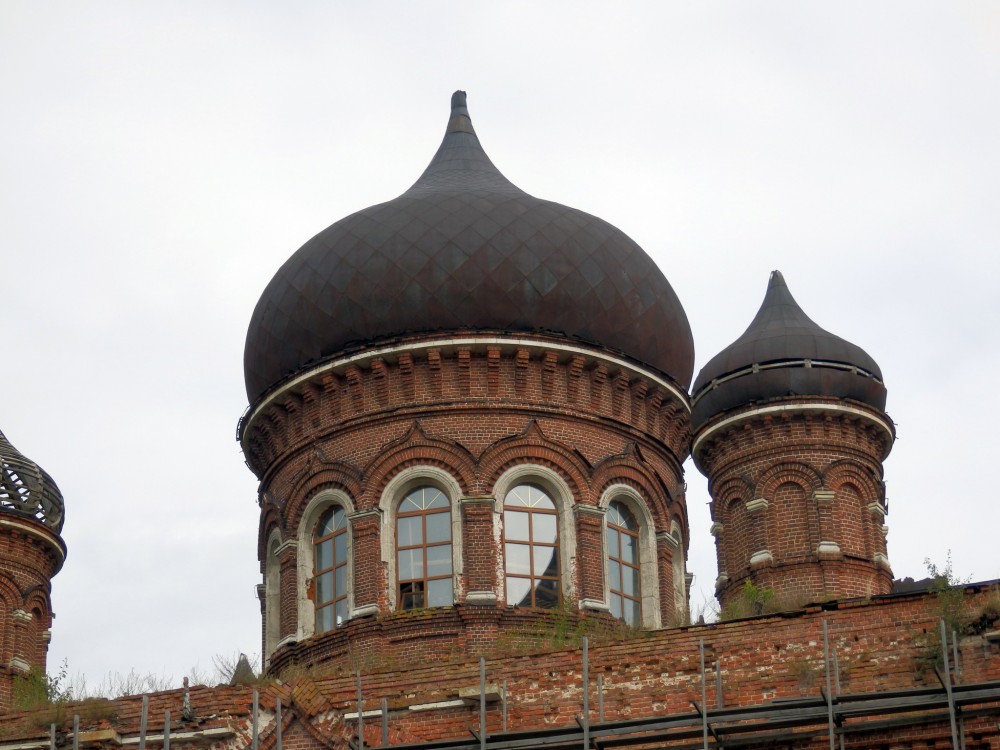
(341, 611)
(410, 564)
(339, 518)
(613, 550)
(438, 527)
(324, 554)
(515, 525)
(547, 594)
(624, 517)
(439, 561)
(616, 605)
(631, 612)
(340, 542)
(519, 592)
(615, 575)
(411, 595)
(518, 558)
(630, 581)
(325, 525)
(543, 528)
(409, 531)
(324, 619)
(433, 498)
(629, 548)
(341, 580)
(636, 581)
(439, 593)
(546, 561)
(324, 588)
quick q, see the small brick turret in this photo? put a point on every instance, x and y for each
(789, 426)
(31, 552)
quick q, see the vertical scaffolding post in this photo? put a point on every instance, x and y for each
(954, 660)
(586, 694)
(704, 696)
(142, 722)
(166, 729)
(503, 698)
(76, 732)
(277, 724)
(361, 710)
(254, 737)
(600, 698)
(52, 737)
(385, 722)
(829, 684)
(947, 687)
(482, 703)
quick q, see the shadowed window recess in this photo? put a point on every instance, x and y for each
(423, 550)
(531, 548)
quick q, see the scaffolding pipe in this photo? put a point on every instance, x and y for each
(277, 724)
(586, 694)
(947, 687)
(831, 729)
(718, 684)
(954, 660)
(482, 703)
(361, 710)
(254, 737)
(503, 699)
(142, 723)
(385, 722)
(166, 729)
(76, 732)
(52, 737)
(704, 690)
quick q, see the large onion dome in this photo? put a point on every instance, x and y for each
(26, 488)
(465, 249)
(784, 353)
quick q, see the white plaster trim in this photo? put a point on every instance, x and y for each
(46, 636)
(476, 500)
(824, 496)
(20, 664)
(509, 342)
(476, 597)
(758, 503)
(360, 514)
(716, 529)
(27, 745)
(884, 530)
(369, 714)
(761, 557)
(877, 509)
(780, 408)
(364, 611)
(261, 591)
(589, 510)
(828, 548)
(429, 706)
(20, 614)
(881, 559)
(203, 734)
(663, 536)
(286, 641)
(50, 537)
(595, 604)
(283, 547)
(722, 580)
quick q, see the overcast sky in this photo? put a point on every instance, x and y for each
(159, 161)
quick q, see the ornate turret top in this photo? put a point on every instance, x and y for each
(784, 353)
(464, 249)
(26, 488)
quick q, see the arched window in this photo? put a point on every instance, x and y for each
(423, 550)
(624, 581)
(531, 548)
(330, 569)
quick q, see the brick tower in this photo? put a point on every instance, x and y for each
(468, 411)
(789, 426)
(31, 552)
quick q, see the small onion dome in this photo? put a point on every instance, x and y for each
(784, 353)
(465, 250)
(26, 489)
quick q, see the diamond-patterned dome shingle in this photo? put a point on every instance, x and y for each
(465, 249)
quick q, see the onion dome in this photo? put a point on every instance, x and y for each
(26, 489)
(784, 353)
(465, 250)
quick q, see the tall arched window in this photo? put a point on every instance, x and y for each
(423, 550)
(622, 538)
(531, 548)
(330, 569)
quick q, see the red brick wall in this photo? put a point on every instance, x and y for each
(821, 475)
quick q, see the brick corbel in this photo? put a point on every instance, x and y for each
(761, 558)
(22, 616)
(877, 509)
(589, 510)
(828, 548)
(823, 496)
(757, 504)
(595, 605)
(716, 529)
(289, 545)
(721, 580)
